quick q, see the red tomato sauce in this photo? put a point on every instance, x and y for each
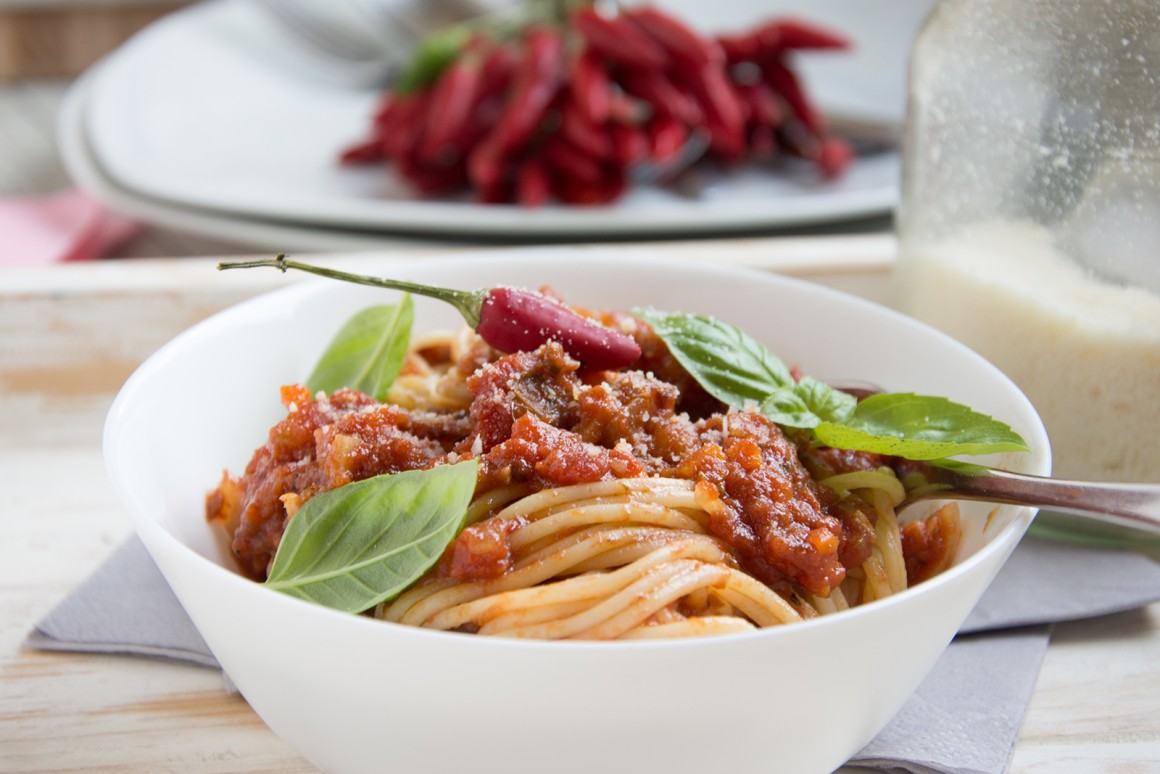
(535, 419)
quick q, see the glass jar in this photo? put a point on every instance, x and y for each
(1029, 227)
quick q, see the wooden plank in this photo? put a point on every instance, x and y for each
(53, 39)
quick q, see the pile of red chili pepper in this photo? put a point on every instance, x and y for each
(567, 111)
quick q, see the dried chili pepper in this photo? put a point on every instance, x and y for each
(432, 179)
(535, 82)
(786, 83)
(654, 87)
(570, 161)
(834, 156)
(608, 188)
(533, 186)
(742, 47)
(591, 86)
(499, 64)
(763, 142)
(400, 135)
(365, 152)
(592, 138)
(759, 103)
(798, 34)
(509, 319)
(455, 94)
(667, 137)
(485, 164)
(619, 40)
(624, 109)
(723, 115)
(513, 119)
(630, 143)
(675, 37)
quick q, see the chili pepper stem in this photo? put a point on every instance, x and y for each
(467, 303)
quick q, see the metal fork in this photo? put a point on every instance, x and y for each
(1125, 505)
(1135, 505)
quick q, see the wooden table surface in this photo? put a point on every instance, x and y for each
(70, 335)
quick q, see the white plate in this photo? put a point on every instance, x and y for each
(214, 108)
(838, 252)
(87, 173)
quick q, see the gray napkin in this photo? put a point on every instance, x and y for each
(1039, 584)
(965, 717)
(125, 607)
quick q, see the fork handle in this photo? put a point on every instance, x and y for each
(1127, 505)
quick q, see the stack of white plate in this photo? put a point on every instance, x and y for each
(215, 121)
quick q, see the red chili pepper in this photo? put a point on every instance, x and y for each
(517, 320)
(535, 83)
(608, 188)
(675, 37)
(499, 64)
(366, 152)
(431, 179)
(759, 103)
(571, 162)
(743, 47)
(502, 191)
(400, 136)
(654, 87)
(453, 98)
(385, 111)
(767, 38)
(667, 137)
(533, 186)
(590, 87)
(630, 143)
(619, 40)
(723, 116)
(786, 83)
(509, 319)
(834, 156)
(797, 34)
(485, 163)
(763, 142)
(581, 132)
(624, 109)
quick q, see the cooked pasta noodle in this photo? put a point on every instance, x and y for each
(631, 559)
(601, 561)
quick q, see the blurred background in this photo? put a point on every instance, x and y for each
(159, 128)
(44, 46)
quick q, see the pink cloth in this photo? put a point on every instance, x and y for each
(67, 226)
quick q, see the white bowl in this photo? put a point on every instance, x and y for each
(354, 694)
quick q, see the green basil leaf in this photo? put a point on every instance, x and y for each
(785, 407)
(828, 404)
(353, 547)
(807, 404)
(731, 365)
(737, 369)
(367, 352)
(919, 427)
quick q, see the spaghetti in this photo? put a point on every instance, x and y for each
(609, 505)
